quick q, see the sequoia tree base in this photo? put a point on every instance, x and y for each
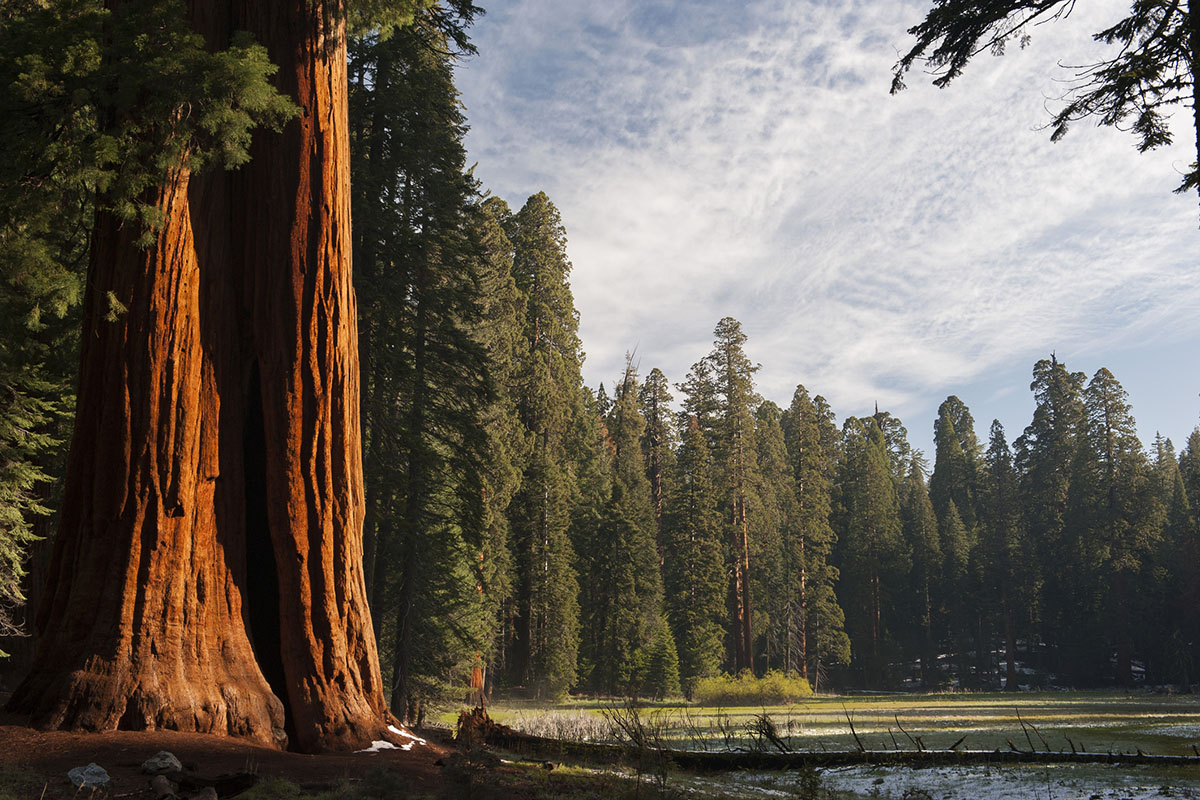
(101, 701)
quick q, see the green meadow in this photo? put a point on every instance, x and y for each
(1101, 721)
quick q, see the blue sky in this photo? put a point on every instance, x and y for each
(716, 159)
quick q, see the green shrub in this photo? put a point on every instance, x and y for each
(773, 689)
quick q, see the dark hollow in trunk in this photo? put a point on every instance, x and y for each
(262, 575)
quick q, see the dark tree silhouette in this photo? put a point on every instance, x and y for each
(1152, 69)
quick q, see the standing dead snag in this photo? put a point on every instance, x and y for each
(207, 575)
(853, 732)
(915, 742)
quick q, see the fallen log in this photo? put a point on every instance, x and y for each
(709, 761)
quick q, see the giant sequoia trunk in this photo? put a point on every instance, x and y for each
(207, 575)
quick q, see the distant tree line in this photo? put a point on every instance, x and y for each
(602, 541)
(637, 539)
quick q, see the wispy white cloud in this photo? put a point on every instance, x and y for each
(716, 160)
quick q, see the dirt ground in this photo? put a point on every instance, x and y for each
(44, 758)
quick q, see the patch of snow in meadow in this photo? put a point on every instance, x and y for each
(1181, 731)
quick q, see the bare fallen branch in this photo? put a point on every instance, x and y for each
(702, 761)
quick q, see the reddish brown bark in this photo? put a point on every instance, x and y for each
(743, 636)
(207, 575)
(1010, 648)
(306, 337)
(802, 644)
(654, 472)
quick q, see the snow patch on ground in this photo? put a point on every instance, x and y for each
(1043, 782)
(1182, 731)
(380, 744)
(407, 735)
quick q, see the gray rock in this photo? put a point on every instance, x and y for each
(161, 762)
(207, 793)
(91, 775)
(163, 788)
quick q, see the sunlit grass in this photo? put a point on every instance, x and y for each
(1096, 721)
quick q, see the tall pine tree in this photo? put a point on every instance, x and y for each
(813, 623)
(427, 378)
(871, 548)
(921, 535)
(1111, 525)
(955, 594)
(1013, 569)
(1183, 553)
(501, 333)
(545, 642)
(694, 565)
(772, 515)
(1045, 458)
(621, 602)
(735, 399)
(658, 444)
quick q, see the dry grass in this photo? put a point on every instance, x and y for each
(1095, 721)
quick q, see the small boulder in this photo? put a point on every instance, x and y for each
(163, 789)
(207, 793)
(91, 775)
(161, 762)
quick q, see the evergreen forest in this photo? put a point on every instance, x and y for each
(626, 539)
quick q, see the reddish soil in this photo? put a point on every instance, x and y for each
(51, 754)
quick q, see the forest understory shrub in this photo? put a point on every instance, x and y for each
(773, 689)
